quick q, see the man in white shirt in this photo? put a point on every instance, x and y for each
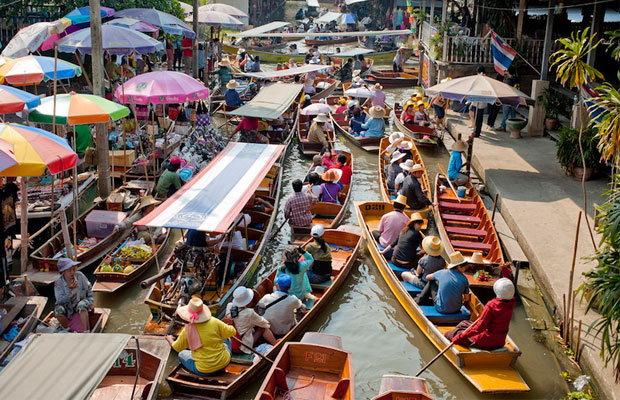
(281, 315)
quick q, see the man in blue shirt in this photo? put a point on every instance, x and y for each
(231, 97)
(456, 163)
(447, 287)
(375, 127)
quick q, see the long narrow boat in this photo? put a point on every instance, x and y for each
(327, 87)
(97, 318)
(26, 308)
(329, 42)
(341, 124)
(315, 368)
(93, 366)
(241, 370)
(258, 172)
(466, 226)
(400, 387)
(421, 135)
(306, 148)
(489, 371)
(327, 214)
(393, 79)
(111, 281)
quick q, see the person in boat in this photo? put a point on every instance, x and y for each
(309, 88)
(256, 203)
(246, 126)
(292, 64)
(378, 96)
(412, 189)
(405, 246)
(255, 66)
(315, 181)
(292, 49)
(357, 65)
(74, 297)
(392, 223)
(342, 165)
(346, 71)
(316, 133)
(279, 307)
(398, 62)
(408, 114)
(297, 207)
(357, 82)
(363, 63)
(203, 345)
(250, 326)
(332, 187)
(447, 288)
(299, 14)
(147, 204)
(430, 263)
(369, 43)
(393, 170)
(357, 121)
(321, 270)
(224, 71)
(490, 330)
(439, 105)
(375, 127)
(328, 157)
(402, 144)
(169, 181)
(456, 163)
(296, 269)
(231, 96)
(421, 115)
(342, 105)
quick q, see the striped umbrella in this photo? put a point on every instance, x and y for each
(77, 109)
(14, 100)
(116, 40)
(168, 23)
(134, 24)
(82, 15)
(29, 70)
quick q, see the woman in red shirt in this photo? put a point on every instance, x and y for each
(408, 114)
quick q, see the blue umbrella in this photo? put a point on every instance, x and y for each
(116, 40)
(82, 14)
(347, 19)
(168, 23)
(14, 100)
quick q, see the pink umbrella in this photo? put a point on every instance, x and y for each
(161, 87)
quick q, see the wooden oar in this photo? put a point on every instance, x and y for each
(448, 347)
(443, 171)
(279, 228)
(251, 349)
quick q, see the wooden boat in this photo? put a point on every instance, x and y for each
(341, 124)
(327, 214)
(381, 71)
(489, 371)
(109, 282)
(241, 370)
(329, 85)
(329, 42)
(393, 79)
(315, 368)
(399, 387)
(421, 135)
(306, 148)
(466, 226)
(28, 307)
(97, 318)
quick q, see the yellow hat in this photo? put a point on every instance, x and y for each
(456, 259)
(400, 199)
(432, 245)
(342, 101)
(407, 105)
(416, 217)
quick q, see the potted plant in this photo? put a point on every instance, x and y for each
(569, 156)
(555, 104)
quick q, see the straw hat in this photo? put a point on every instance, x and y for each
(232, 84)
(224, 62)
(376, 112)
(396, 136)
(400, 199)
(332, 175)
(402, 47)
(147, 201)
(242, 296)
(321, 118)
(416, 168)
(397, 155)
(66, 263)
(416, 217)
(459, 145)
(195, 306)
(376, 87)
(308, 82)
(408, 104)
(432, 245)
(407, 165)
(477, 258)
(504, 288)
(352, 103)
(456, 259)
(406, 145)
(317, 231)
(342, 101)
(319, 170)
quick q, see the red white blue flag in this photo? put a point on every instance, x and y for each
(502, 53)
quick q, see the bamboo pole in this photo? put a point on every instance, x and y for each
(577, 351)
(55, 90)
(124, 136)
(564, 312)
(24, 225)
(75, 198)
(146, 173)
(53, 209)
(572, 317)
(79, 60)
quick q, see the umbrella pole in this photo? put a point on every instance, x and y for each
(124, 139)
(55, 88)
(75, 199)
(90, 85)
(53, 209)
(24, 225)
(146, 172)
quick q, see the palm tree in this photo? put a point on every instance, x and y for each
(572, 70)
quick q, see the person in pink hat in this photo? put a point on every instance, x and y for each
(169, 182)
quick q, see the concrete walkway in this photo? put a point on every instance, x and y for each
(540, 205)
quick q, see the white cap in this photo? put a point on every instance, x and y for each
(317, 231)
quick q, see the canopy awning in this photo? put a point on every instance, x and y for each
(285, 72)
(313, 3)
(398, 32)
(349, 2)
(271, 102)
(61, 365)
(211, 201)
(353, 52)
(272, 26)
(328, 17)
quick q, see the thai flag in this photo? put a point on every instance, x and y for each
(592, 101)
(502, 53)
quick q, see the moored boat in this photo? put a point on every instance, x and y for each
(329, 42)
(421, 135)
(97, 319)
(400, 387)
(489, 371)
(393, 79)
(317, 368)
(307, 148)
(341, 124)
(241, 370)
(26, 308)
(325, 87)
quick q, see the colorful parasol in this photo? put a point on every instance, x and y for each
(226, 9)
(29, 39)
(161, 87)
(35, 150)
(34, 69)
(134, 24)
(7, 155)
(216, 18)
(82, 15)
(76, 109)
(116, 40)
(14, 100)
(168, 23)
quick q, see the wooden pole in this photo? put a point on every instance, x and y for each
(55, 89)
(577, 351)
(572, 273)
(564, 313)
(75, 198)
(124, 135)
(146, 173)
(65, 233)
(572, 317)
(24, 224)
(251, 349)
(494, 208)
(196, 31)
(79, 60)
(53, 210)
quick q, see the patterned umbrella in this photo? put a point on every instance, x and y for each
(7, 155)
(168, 23)
(161, 87)
(216, 18)
(116, 40)
(14, 100)
(77, 109)
(226, 9)
(82, 15)
(132, 23)
(34, 69)
(30, 38)
(479, 88)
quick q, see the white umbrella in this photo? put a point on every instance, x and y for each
(216, 18)
(359, 92)
(226, 9)
(30, 38)
(479, 88)
(187, 9)
(316, 109)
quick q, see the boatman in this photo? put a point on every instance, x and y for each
(316, 133)
(169, 182)
(74, 297)
(448, 288)
(297, 207)
(456, 163)
(231, 96)
(412, 189)
(392, 223)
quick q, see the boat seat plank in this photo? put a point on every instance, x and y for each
(436, 317)
(485, 247)
(323, 285)
(460, 218)
(397, 269)
(224, 378)
(455, 230)
(412, 290)
(464, 207)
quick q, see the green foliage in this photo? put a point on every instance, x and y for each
(567, 149)
(613, 42)
(555, 103)
(577, 396)
(571, 60)
(419, 15)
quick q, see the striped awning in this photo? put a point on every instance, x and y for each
(211, 201)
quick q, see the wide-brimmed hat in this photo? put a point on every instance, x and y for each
(397, 155)
(400, 199)
(332, 175)
(376, 112)
(417, 168)
(242, 296)
(308, 82)
(407, 165)
(194, 307)
(321, 118)
(459, 145)
(420, 103)
(504, 288)
(405, 145)
(352, 103)
(432, 245)
(290, 254)
(317, 231)
(402, 47)
(396, 136)
(342, 101)
(456, 259)
(477, 258)
(224, 62)
(376, 87)
(319, 170)
(232, 84)
(356, 79)
(407, 105)
(66, 263)
(416, 217)
(147, 201)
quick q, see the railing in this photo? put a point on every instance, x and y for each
(477, 50)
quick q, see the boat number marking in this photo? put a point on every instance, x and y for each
(125, 359)
(369, 207)
(319, 358)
